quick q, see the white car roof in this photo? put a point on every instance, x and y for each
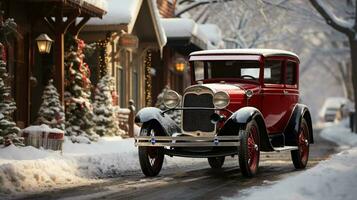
(263, 52)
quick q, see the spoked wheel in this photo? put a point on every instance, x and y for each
(151, 158)
(249, 150)
(216, 162)
(301, 156)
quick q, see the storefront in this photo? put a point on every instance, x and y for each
(30, 70)
(128, 38)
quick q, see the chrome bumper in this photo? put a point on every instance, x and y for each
(187, 141)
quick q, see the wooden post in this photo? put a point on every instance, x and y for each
(60, 27)
(59, 65)
(131, 118)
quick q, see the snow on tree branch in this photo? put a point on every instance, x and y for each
(331, 19)
(193, 4)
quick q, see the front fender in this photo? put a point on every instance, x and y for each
(292, 129)
(241, 118)
(150, 114)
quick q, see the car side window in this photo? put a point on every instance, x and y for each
(290, 73)
(273, 72)
(199, 70)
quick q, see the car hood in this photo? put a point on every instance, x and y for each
(233, 89)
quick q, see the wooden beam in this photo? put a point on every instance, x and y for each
(51, 23)
(76, 28)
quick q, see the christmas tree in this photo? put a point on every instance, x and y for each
(174, 114)
(51, 111)
(79, 111)
(104, 111)
(8, 130)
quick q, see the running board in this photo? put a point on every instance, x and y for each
(286, 148)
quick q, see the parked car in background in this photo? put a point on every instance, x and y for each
(335, 109)
(241, 102)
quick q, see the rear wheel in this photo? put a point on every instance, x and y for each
(216, 162)
(249, 150)
(151, 158)
(301, 156)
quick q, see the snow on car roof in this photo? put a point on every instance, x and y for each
(263, 52)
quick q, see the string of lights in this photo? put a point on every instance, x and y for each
(148, 81)
(102, 57)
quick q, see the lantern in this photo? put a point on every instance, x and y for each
(44, 43)
(180, 65)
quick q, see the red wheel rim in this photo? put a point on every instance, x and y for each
(303, 144)
(253, 149)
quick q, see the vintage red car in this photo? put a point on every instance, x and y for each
(241, 102)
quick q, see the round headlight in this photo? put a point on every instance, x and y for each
(221, 100)
(171, 99)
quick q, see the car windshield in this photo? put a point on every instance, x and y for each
(226, 69)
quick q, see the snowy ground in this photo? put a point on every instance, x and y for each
(25, 170)
(333, 179)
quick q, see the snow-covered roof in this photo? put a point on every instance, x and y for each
(159, 27)
(179, 27)
(118, 12)
(212, 33)
(102, 4)
(263, 52)
(126, 12)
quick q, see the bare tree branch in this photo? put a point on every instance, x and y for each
(331, 19)
(194, 4)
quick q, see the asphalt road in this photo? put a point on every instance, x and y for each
(194, 182)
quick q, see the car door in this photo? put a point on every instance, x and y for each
(274, 106)
(291, 90)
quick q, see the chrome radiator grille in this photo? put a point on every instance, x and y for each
(198, 120)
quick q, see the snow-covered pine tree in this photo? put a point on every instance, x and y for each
(174, 114)
(8, 129)
(104, 111)
(79, 111)
(51, 111)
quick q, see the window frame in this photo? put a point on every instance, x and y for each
(295, 85)
(282, 73)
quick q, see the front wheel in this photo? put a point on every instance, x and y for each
(216, 162)
(301, 156)
(151, 158)
(249, 150)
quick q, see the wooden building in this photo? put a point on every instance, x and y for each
(30, 71)
(128, 38)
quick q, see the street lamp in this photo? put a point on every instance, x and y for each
(44, 43)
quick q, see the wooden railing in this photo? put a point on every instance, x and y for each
(126, 119)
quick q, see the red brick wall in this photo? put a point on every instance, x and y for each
(167, 8)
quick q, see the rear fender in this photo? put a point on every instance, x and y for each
(241, 118)
(292, 129)
(155, 115)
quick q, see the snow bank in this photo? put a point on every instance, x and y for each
(29, 169)
(331, 179)
(340, 134)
